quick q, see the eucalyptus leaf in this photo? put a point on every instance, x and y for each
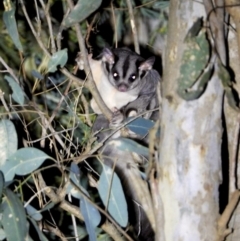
(33, 213)
(57, 59)
(125, 144)
(9, 140)
(75, 174)
(149, 13)
(225, 78)
(140, 126)
(75, 177)
(232, 101)
(78, 177)
(75, 169)
(193, 94)
(47, 207)
(36, 74)
(2, 234)
(81, 11)
(8, 169)
(13, 217)
(11, 25)
(195, 29)
(91, 212)
(73, 191)
(27, 160)
(160, 5)
(112, 195)
(195, 60)
(18, 94)
(91, 217)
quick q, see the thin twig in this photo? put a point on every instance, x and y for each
(59, 198)
(9, 70)
(216, 20)
(40, 43)
(49, 22)
(89, 30)
(87, 153)
(73, 220)
(90, 82)
(133, 26)
(225, 217)
(103, 212)
(61, 28)
(86, 110)
(115, 25)
(4, 103)
(56, 231)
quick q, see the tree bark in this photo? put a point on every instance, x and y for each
(190, 145)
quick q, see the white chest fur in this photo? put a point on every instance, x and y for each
(110, 95)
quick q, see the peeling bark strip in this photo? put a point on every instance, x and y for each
(190, 146)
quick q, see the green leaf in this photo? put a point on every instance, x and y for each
(125, 144)
(11, 25)
(48, 207)
(112, 195)
(224, 75)
(73, 191)
(201, 86)
(81, 231)
(18, 94)
(149, 13)
(27, 160)
(231, 99)
(225, 78)
(9, 140)
(195, 29)
(8, 169)
(13, 217)
(2, 234)
(195, 60)
(90, 213)
(33, 212)
(36, 74)
(140, 126)
(81, 11)
(58, 59)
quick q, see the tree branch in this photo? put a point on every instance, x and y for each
(90, 82)
(133, 26)
(58, 198)
(225, 217)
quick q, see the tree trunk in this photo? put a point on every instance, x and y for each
(190, 145)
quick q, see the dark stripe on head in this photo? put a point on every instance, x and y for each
(143, 74)
(107, 67)
(126, 65)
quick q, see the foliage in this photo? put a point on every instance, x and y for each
(48, 171)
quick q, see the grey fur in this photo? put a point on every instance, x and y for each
(120, 66)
